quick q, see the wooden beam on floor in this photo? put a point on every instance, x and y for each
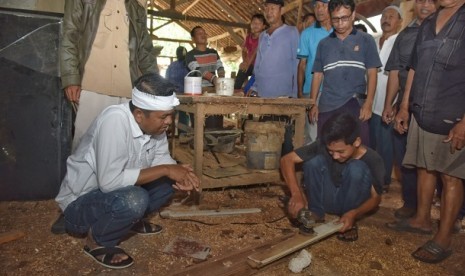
(292, 244)
(11, 236)
(219, 212)
(234, 263)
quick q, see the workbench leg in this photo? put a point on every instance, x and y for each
(299, 129)
(199, 117)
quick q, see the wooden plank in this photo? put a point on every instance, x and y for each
(293, 244)
(255, 177)
(11, 236)
(220, 212)
(234, 263)
(225, 172)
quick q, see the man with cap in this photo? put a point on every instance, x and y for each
(275, 66)
(306, 52)
(122, 171)
(381, 133)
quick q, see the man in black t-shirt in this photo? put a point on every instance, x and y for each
(341, 176)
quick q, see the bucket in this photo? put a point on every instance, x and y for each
(224, 87)
(264, 142)
(193, 85)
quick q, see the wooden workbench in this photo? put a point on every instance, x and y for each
(202, 106)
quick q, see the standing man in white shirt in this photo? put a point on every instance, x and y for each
(381, 139)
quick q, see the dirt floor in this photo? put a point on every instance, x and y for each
(379, 251)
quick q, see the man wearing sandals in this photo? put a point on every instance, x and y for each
(435, 94)
(341, 176)
(122, 171)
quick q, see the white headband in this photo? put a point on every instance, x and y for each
(151, 102)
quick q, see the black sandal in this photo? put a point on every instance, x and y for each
(146, 228)
(435, 253)
(108, 253)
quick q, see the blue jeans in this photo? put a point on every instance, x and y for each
(409, 176)
(325, 197)
(381, 141)
(111, 215)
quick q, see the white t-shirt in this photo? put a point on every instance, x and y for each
(381, 85)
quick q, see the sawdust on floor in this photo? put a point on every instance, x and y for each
(379, 251)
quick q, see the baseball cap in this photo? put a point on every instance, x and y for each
(276, 2)
(394, 7)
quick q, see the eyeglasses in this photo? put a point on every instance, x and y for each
(346, 18)
(425, 1)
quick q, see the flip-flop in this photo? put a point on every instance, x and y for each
(146, 228)
(438, 254)
(404, 226)
(108, 253)
(352, 233)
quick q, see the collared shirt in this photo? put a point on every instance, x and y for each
(111, 155)
(176, 73)
(276, 63)
(438, 89)
(309, 40)
(344, 64)
(381, 84)
(401, 54)
(107, 69)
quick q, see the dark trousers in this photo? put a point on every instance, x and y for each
(352, 107)
(381, 140)
(111, 215)
(409, 176)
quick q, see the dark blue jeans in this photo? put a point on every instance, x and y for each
(409, 176)
(111, 215)
(381, 141)
(325, 197)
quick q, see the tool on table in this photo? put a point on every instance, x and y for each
(304, 217)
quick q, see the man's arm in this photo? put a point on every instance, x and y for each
(69, 50)
(456, 136)
(402, 117)
(392, 90)
(301, 77)
(183, 175)
(297, 201)
(366, 110)
(244, 64)
(348, 219)
(316, 83)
